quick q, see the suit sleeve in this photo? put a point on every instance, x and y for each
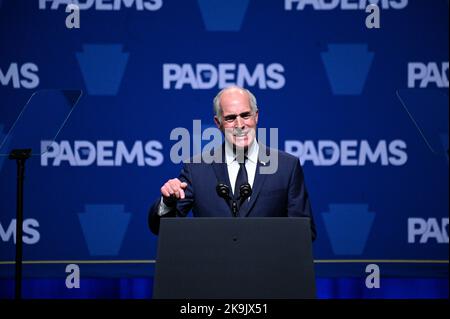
(298, 200)
(182, 207)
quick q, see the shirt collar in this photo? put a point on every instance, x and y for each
(252, 153)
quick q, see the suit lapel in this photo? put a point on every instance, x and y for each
(257, 184)
(221, 172)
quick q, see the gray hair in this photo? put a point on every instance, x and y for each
(216, 102)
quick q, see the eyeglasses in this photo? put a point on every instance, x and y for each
(232, 117)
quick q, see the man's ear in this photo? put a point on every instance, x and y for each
(216, 120)
(256, 116)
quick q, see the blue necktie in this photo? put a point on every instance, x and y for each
(240, 180)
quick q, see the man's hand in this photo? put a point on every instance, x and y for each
(172, 191)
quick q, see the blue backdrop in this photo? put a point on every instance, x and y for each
(364, 109)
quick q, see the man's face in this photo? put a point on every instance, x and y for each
(238, 120)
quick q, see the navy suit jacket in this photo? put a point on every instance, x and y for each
(282, 194)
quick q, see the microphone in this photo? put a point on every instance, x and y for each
(224, 191)
(245, 191)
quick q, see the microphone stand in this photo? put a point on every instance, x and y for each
(20, 155)
(234, 208)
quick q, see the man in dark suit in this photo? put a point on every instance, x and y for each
(241, 161)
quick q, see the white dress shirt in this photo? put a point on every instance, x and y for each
(233, 165)
(233, 169)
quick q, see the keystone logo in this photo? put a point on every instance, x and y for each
(223, 15)
(428, 112)
(347, 66)
(348, 227)
(104, 228)
(102, 66)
